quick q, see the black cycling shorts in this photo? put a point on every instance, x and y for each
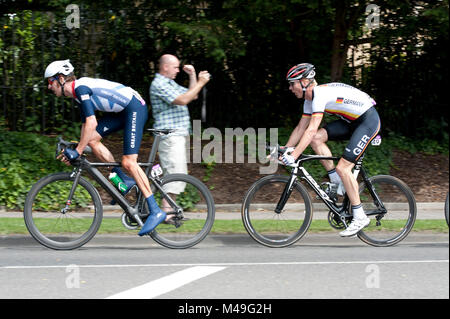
(360, 132)
(132, 120)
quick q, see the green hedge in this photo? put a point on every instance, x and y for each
(24, 158)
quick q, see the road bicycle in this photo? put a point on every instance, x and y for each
(446, 210)
(64, 210)
(277, 209)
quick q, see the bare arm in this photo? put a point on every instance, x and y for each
(298, 132)
(308, 135)
(190, 70)
(87, 129)
(192, 93)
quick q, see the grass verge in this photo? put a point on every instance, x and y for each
(10, 226)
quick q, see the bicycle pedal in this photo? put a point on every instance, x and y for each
(176, 222)
(172, 222)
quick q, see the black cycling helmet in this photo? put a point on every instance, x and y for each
(301, 71)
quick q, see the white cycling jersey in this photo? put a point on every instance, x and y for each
(339, 99)
(103, 95)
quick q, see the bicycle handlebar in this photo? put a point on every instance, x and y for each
(272, 149)
(62, 144)
(279, 150)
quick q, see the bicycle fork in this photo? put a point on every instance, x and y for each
(286, 193)
(76, 175)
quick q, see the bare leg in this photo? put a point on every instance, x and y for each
(165, 206)
(344, 170)
(360, 219)
(129, 163)
(100, 150)
(320, 147)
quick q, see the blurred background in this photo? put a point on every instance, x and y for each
(393, 50)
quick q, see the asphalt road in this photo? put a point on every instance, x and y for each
(320, 266)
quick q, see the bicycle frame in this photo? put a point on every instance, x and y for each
(84, 165)
(300, 172)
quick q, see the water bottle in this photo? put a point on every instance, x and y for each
(156, 170)
(117, 181)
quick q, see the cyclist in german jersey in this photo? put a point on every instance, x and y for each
(125, 109)
(339, 99)
(359, 122)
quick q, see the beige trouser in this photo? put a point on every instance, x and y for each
(172, 156)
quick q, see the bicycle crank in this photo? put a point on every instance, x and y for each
(129, 222)
(337, 222)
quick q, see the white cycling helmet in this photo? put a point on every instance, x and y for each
(301, 71)
(58, 67)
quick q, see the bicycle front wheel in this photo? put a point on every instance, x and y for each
(391, 208)
(56, 223)
(268, 227)
(198, 210)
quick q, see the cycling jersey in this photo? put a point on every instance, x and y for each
(339, 99)
(124, 106)
(102, 95)
(359, 121)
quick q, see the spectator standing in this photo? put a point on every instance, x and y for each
(169, 102)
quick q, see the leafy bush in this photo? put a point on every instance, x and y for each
(24, 158)
(187, 199)
(412, 145)
(53, 196)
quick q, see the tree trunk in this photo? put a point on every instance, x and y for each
(345, 17)
(339, 46)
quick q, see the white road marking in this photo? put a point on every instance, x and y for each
(166, 284)
(299, 263)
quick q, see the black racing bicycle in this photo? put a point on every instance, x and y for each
(277, 209)
(446, 210)
(64, 210)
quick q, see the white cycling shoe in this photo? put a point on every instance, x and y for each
(355, 226)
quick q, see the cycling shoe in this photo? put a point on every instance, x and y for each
(153, 220)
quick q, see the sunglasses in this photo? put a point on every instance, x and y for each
(52, 79)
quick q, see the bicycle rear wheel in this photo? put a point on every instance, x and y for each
(389, 226)
(54, 227)
(273, 229)
(446, 210)
(198, 211)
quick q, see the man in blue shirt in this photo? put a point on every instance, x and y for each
(125, 109)
(169, 106)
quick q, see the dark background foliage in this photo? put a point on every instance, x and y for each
(248, 46)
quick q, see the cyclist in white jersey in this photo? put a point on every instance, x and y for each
(359, 122)
(124, 109)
